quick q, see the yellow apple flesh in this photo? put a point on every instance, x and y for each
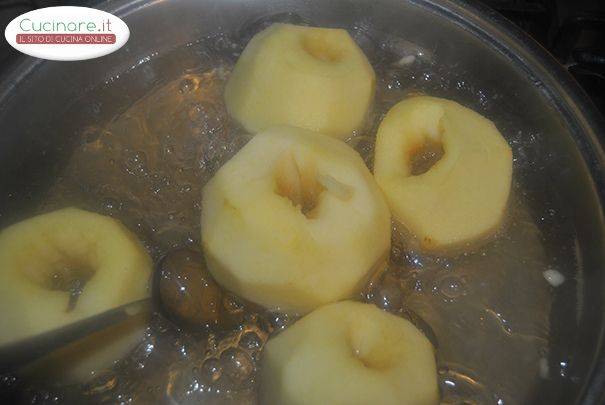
(313, 78)
(40, 260)
(460, 198)
(294, 221)
(349, 353)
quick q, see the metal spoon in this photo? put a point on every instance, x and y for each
(15, 355)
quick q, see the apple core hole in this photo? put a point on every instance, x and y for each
(372, 357)
(299, 183)
(369, 361)
(68, 275)
(320, 48)
(424, 156)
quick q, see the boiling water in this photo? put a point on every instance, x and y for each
(487, 310)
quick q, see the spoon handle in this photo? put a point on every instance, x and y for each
(15, 355)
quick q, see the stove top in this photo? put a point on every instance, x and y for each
(573, 31)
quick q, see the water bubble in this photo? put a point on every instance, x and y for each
(40, 397)
(110, 205)
(188, 84)
(414, 260)
(251, 341)
(135, 162)
(280, 321)
(160, 179)
(212, 369)
(184, 384)
(451, 287)
(168, 149)
(389, 295)
(233, 305)
(237, 365)
(259, 321)
(394, 82)
(461, 85)
(8, 381)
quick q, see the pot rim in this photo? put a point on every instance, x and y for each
(571, 101)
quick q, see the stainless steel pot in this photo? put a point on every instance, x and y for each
(559, 155)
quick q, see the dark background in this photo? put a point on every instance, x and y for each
(572, 30)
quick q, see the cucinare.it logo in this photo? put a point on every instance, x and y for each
(67, 33)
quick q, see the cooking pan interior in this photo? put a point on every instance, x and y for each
(45, 106)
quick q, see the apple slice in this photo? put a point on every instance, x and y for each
(349, 353)
(445, 170)
(313, 78)
(294, 221)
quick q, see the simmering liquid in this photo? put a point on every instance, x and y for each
(486, 310)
